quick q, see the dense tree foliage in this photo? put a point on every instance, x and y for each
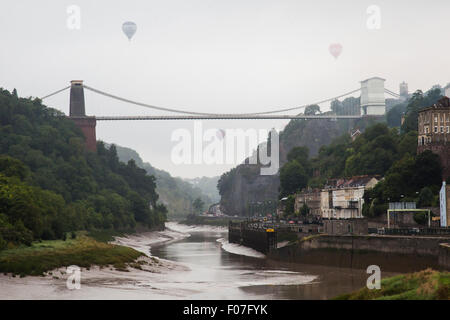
(50, 185)
(373, 153)
(294, 174)
(413, 178)
(378, 151)
(198, 205)
(417, 102)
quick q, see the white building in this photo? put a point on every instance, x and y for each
(447, 91)
(444, 197)
(343, 199)
(404, 90)
(372, 96)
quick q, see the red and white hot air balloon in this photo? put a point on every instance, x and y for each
(335, 49)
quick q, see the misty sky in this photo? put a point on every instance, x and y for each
(215, 56)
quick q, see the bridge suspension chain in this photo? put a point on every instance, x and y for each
(212, 114)
(396, 95)
(56, 92)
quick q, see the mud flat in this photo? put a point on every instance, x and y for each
(146, 278)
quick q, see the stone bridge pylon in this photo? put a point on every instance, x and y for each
(78, 114)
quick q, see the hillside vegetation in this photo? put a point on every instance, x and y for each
(176, 194)
(313, 151)
(47, 255)
(49, 184)
(379, 150)
(424, 285)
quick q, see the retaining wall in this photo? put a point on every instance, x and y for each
(444, 255)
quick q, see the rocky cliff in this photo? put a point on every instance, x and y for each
(244, 184)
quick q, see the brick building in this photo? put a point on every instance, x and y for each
(434, 132)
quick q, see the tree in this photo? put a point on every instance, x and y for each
(289, 206)
(425, 197)
(427, 170)
(299, 154)
(312, 110)
(293, 178)
(304, 211)
(394, 116)
(12, 167)
(198, 205)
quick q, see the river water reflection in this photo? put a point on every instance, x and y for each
(232, 276)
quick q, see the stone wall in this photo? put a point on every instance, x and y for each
(444, 255)
(87, 125)
(345, 226)
(257, 239)
(393, 253)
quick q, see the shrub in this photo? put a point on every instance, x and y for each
(421, 217)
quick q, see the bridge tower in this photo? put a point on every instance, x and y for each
(372, 97)
(78, 114)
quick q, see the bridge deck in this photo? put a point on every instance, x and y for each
(229, 117)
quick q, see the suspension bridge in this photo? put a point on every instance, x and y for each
(372, 103)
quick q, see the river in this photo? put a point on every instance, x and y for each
(235, 272)
(193, 263)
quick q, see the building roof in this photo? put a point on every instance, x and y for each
(443, 103)
(356, 181)
(379, 78)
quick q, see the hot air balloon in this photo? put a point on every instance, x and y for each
(220, 134)
(129, 28)
(335, 50)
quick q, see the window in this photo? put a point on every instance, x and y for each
(435, 119)
(442, 129)
(435, 129)
(448, 129)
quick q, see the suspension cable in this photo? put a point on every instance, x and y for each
(392, 93)
(56, 92)
(210, 114)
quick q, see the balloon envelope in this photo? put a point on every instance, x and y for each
(129, 28)
(220, 134)
(335, 49)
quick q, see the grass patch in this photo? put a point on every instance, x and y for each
(48, 255)
(311, 237)
(107, 235)
(424, 285)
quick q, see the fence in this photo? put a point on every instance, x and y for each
(411, 231)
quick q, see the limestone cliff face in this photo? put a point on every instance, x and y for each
(244, 184)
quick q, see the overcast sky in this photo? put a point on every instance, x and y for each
(220, 56)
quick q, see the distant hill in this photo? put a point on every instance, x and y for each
(175, 193)
(208, 185)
